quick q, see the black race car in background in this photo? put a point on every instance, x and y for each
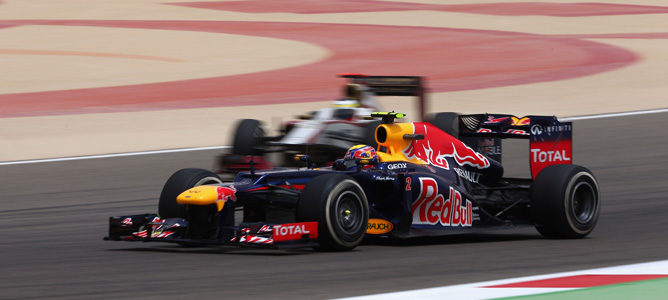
(419, 180)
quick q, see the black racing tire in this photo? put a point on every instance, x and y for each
(565, 201)
(370, 134)
(448, 122)
(178, 183)
(247, 137)
(340, 207)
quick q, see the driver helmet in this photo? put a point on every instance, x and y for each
(353, 91)
(352, 96)
(361, 152)
(349, 161)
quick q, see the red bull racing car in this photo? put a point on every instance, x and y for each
(438, 177)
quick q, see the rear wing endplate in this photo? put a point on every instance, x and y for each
(550, 143)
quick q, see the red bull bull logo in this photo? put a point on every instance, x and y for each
(525, 121)
(226, 193)
(494, 120)
(437, 146)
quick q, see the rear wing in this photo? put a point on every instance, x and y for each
(550, 141)
(394, 86)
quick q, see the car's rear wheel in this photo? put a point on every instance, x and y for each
(248, 137)
(565, 201)
(178, 183)
(340, 207)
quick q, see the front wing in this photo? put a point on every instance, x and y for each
(151, 228)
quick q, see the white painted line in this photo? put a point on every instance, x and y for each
(21, 162)
(612, 115)
(481, 290)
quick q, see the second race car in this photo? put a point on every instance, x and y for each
(325, 134)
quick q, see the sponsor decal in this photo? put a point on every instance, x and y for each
(517, 131)
(157, 227)
(384, 178)
(379, 226)
(468, 175)
(396, 166)
(515, 121)
(520, 121)
(566, 127)
(141, 234)
(295, 231)
(226, 193)
(537, 155)
(253, 239)
(543, 154)
(291, 229)
(161, 234)
(127, 221)
(493, 120)
(431, 208)
(484, 130)
(437, 146)
(537, 129)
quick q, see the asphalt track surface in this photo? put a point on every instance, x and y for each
(53, 217)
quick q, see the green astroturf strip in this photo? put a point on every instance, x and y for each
(639, 290)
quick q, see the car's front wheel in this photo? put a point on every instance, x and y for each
(178, 183)
(340, 207)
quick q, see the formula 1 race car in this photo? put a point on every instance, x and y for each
(324, 135)
(420, 180)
